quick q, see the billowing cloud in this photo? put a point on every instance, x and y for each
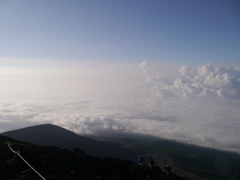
(206, 80)
(197, 105)
(144, 65)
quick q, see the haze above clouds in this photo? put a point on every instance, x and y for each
(164, 68)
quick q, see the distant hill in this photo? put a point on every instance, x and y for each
(49, 134)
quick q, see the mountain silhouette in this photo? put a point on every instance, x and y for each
(60, 152)
(53, 163)
(52, 135)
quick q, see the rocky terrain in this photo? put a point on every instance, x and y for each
(54, 163)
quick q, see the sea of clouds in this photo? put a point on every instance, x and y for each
(197, 105)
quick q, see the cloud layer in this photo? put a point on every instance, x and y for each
(194, 105)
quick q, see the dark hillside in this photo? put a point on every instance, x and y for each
(63, 164)
(190, 161)
(49, 134)
(208, 163)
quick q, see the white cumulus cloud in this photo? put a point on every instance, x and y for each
(206, 80)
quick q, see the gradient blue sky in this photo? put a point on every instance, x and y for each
(163, 31)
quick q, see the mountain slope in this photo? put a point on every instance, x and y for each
(53, 163)
(204, 162)
(49, 134)
(186, 160)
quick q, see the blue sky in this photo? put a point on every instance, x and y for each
(164, 32)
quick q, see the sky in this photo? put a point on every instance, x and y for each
(170, 69)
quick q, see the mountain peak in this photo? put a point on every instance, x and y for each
(49, 134)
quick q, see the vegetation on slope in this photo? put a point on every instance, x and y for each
(191, 161)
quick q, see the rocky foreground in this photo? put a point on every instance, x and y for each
(62, 164)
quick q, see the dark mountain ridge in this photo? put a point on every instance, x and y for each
(190, 161)
(53, 163)
(49, 134)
